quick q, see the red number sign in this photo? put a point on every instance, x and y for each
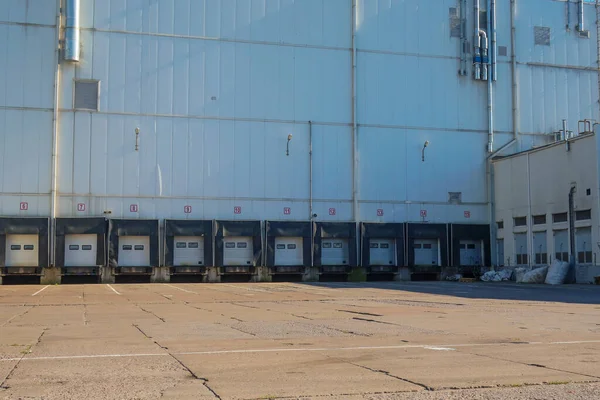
(133, 208)
(380, 212)
(332, 211)
(187, 209)
(81, 207)
(24, 206)
(467, 214)
(423, 213)
(287, 210)
(237, 210)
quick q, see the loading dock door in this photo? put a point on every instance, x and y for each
(238, 251)
(470, 253)
(80, 250)
(382, 251)
(335, 252)
(426, 252)
(22, 251)
(288, 251)
(189, 251)
(134, 251)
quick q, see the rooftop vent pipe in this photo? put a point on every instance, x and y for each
(72, 42)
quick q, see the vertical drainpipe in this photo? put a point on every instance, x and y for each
(354, 123)
(529, 221)
(490, 81)
(476, 42)
(494, 49)
(513, 56)
(54, 164)
(310, 190)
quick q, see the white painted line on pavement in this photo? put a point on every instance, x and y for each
(178, 288)
(319, 349)
(41, 290)
(113, 289)
(440, 348)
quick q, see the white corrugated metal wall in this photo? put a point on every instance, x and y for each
(216, 86)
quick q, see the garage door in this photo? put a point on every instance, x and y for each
(288, 251)
(426, 251)
(382, 251)
(134, 251)
(237, 251)
(189, 251)
(22, 251)
(80, 250)
(470, 252)
(335, 252)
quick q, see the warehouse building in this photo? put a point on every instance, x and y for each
(547, 205)
(315, 138)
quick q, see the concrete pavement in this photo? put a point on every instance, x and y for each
(293, 340)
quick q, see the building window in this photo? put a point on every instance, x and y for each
(520, 221)
(560, 217)
(455, 23)
(583, 215)
(542, 35)
(539, 219)
(86, 94)
(500, 224)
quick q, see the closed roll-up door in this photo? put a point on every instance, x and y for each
(134, 251)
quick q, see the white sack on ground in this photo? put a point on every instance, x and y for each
(538, 275)
(557, 273)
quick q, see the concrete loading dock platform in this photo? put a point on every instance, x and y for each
(429, 340)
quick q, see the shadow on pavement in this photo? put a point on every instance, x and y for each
(575, 294)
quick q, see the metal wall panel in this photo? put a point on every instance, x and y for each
(215, 87)
(27, 66)
(41, 12)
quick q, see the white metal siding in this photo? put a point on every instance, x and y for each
(22, 251)
(134, 251)
(188, 251)
(237, 251)
(216, 86)
(289, 251)
(81, 250)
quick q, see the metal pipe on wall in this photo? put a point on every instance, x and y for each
(310, 189)
(494, 49)
(490, 146)
(513, 45)
(580, 23)
(477, 41)
(72, 41)
(354, 120)
(54, 164)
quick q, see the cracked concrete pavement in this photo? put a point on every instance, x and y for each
(389, 340)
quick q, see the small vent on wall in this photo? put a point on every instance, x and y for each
(454, 197)
(455, 22)
(542, 35)
(502, 51)
(86, 95)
